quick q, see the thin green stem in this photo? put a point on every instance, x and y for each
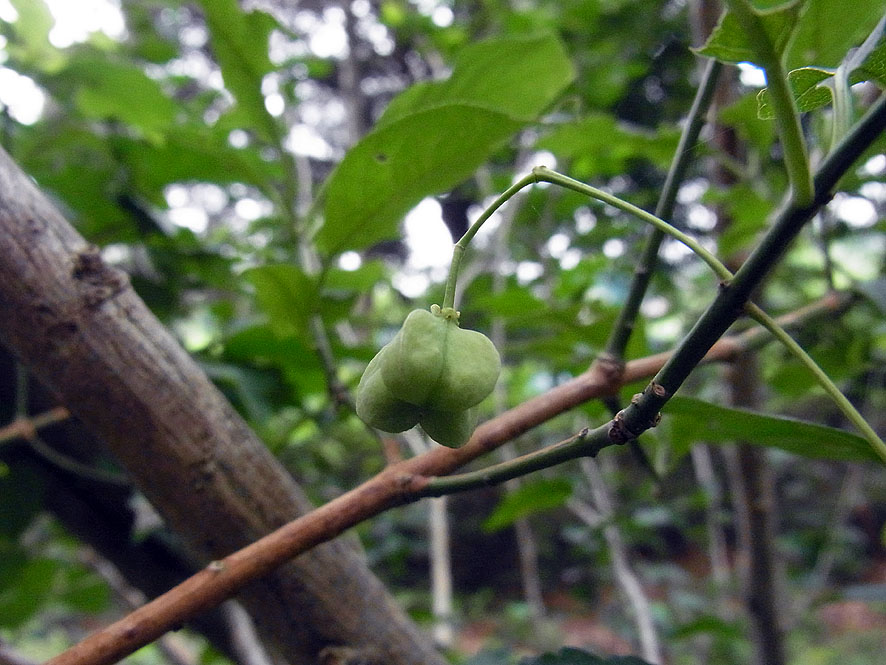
(624, 325)
(586, 443)
(823, 380)
(544, 174)
(787, 117)
(461, 245)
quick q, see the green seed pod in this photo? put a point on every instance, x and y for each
(451, 428)
(377, 407)
(435, 364)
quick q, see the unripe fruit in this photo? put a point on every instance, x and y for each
(431, 373)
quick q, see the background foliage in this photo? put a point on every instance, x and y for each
(252, 177)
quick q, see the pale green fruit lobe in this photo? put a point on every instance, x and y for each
(435, 363)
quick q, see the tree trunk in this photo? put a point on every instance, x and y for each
(79, 327)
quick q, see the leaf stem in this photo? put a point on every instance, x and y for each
(787, 117)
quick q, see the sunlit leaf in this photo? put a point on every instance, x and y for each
(435, 135)
(487, 74)
(240, 44)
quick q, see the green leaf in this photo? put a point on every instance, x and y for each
(489, 73)
(729, 42)
(286, 295)
(532, 497)
(572, 656)
(387, 173)
(240, 44)
(435, 135)
(805, 87)
(26, 591)
(119, 91)
(825, 29)
(693, 421)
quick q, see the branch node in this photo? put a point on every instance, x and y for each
(619, 433)
(101, 281)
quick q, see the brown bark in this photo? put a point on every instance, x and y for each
(79, 327)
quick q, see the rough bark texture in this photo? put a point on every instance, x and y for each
(78, 325)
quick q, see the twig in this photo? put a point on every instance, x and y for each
(22, 427)
(624, 324)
